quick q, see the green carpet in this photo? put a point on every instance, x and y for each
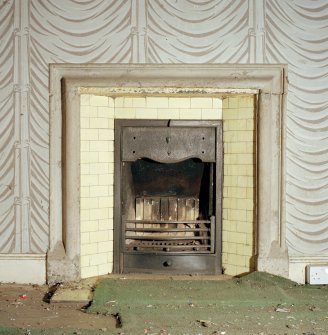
(253, 304)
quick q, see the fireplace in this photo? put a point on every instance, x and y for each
(83, 233)
(169, 185)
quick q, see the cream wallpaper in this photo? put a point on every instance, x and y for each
(34, 33)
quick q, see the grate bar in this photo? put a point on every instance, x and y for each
(170, 248)
(168, 221)
(168, 230)
(167, 238)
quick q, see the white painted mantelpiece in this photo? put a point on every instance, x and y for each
(66, 79)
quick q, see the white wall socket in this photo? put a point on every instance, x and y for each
(317, 274)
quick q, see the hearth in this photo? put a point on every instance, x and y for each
(168, 177)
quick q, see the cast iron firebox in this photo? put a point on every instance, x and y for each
(168, 194)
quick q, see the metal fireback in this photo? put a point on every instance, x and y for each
(168, 196)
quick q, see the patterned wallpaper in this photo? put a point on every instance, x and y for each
(9, 134)
(297, 34)
(34, 33)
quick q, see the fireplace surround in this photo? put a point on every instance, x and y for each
(65, 82)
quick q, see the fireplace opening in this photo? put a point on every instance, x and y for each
(172, 207)
(170, 214)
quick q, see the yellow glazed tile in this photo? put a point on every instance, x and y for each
(85, 100)
(125, 113)
(100, 258)
(89, 249)
(89, 226)
(99, 213)
(99, 145)
(201, 102)
(106, 202)
(105, 112)
(168, 113)
(246, 101)
(84, 191)
(119, 102)
(85, 146)
(85, 238)
(99, 191)
(98, 100)
(139, 102)
(89, 271)
(230, 270)
(211, 114)
(128, 102)
(193, 113)
(88, 157)
(89, 134)
(232, 248)
(177, 103)
(245, 113)
(88, 203)
(147, 113)
(104, 247)
(233, 102)
(106, 157)
(104, 269)
(157, 102)
(106, 224)
(111, 102)
(217, 104)
(98, 236)
(106, 134)
(85, 261)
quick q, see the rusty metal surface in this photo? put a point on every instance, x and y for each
(171, 264)
(168, 144)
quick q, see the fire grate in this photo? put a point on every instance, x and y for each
(182, 238)
(169, 213)
(168, 224)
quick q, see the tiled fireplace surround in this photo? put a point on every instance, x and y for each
(249, 100)
(97, 116)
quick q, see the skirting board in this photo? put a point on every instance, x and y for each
(23, 268)
(297, 266)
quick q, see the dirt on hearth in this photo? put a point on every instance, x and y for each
(26, 307)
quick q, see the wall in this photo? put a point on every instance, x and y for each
(35, 33)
